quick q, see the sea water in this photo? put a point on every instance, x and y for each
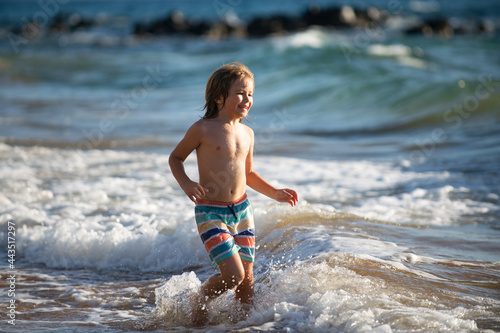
(392, 142)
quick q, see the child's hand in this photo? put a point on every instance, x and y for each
(286, 195)
(194, 191)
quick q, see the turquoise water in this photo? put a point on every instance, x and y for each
(392, 142)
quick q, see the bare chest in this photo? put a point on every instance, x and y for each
(227, 144)
(235, 146)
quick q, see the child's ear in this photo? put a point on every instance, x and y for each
(219, 100)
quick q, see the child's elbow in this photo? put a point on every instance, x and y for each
(173, 160)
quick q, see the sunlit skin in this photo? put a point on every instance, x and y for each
(224, 149)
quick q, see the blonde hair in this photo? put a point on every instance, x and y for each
(218, 85)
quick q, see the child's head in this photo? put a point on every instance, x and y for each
(218, 85)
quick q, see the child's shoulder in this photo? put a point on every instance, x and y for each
(247, 128)
(208, 125)
(203, 124)
(203, 127)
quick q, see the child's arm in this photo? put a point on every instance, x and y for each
(255, 181)
(190, 142)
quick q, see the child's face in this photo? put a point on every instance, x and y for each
(239, 100)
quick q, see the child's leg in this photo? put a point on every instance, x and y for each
(232, 273)
(244, 292)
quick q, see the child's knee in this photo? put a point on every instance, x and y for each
(248, 279)
(239, 277)
(234, 278)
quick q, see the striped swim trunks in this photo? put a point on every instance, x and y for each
(226, 228)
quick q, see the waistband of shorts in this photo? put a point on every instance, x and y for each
(201, 202)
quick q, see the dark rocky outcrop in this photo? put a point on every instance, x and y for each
(435, 26)
(333, 17)
(69, 23)
(339, 17)
(263, 26)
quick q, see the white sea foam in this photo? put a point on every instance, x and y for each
(316, 296)
(389, 50)
(405, 55)
(381, 191)
(173, 297)
(319, 296)
(109, 209)
(313, 37)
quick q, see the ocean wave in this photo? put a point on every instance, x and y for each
(363, 249)
(329, 83)
(107, 209)
(320, 295)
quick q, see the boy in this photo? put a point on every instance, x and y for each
(224, 150)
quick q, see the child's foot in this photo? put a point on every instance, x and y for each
(199, 311)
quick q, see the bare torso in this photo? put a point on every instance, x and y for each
(222, 156)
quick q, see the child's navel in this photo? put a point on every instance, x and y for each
(218, 148)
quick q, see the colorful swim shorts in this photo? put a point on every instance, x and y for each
(226, 228)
